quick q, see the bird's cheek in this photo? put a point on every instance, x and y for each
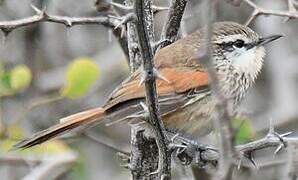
(244, 60)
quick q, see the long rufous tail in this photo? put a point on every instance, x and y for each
(66, 124)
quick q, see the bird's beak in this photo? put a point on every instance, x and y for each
(266, 40)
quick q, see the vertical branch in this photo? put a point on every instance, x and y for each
(164, 165)
(222, 117)
(172, 25)
(148, 19)
(132, 42)
(144, 159)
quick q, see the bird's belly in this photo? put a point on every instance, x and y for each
(194, 119)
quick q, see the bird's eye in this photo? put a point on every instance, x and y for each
(238, 43)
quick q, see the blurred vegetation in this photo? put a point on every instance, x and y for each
(12, 134)
(244, 130)
(80, 75)
(15, 80)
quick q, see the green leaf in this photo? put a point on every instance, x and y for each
(80, 75)
(244, 130)
(5, 88)
(20, 77)
(5, 80)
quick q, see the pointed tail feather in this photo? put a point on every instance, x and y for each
(66, 124)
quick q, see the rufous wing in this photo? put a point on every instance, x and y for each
(175, 81)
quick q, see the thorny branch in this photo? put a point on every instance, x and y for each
(201, 154)
(42, 16)
(164, 164)
(292, 12)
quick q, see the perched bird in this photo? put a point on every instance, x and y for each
(185, 98)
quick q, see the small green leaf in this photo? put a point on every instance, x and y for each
(244, 131)
(80, 75)
(5, 80)
(5, 88)
(20, 77)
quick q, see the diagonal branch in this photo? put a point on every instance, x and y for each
(172, 25)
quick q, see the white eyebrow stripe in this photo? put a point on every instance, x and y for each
(231, 38)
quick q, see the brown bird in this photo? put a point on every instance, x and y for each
(185, 99)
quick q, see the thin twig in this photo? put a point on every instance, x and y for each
(42, 16)
(164, 166)
(132, 42)
(290, 14)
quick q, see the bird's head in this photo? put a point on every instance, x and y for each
(239, 47)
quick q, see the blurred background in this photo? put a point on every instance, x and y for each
(42, 68)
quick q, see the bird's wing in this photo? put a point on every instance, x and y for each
(175, 81)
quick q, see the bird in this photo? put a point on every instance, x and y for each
(184, 94)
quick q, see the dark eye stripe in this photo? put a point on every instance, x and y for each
(239, 43)
(230, 46)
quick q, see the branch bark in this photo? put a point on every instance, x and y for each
(42, 16)
(164, 164)
(172, 25)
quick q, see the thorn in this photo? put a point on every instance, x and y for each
(6, 31)
(280, 139)
(251, 159)
(145, 107)
(127, 18)
(123, 31)
(178, 146)
(286, 134)
(159, 8)
(155, 172)
(278, 149)
(68, 23)
(159, 75)
(180, 150)
(239, 163)
(174, 137)
(37, 10)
